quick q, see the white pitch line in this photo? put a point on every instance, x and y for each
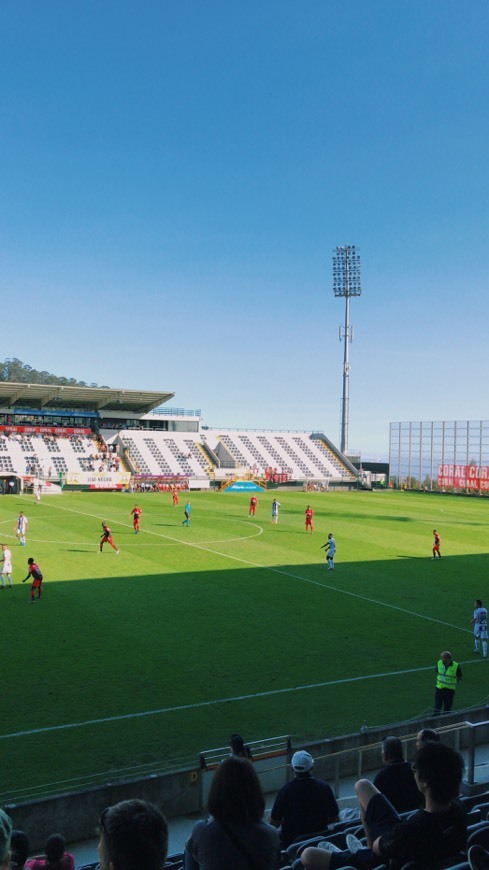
(234, 699)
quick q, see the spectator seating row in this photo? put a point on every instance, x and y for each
(478, 833)
(47, 455)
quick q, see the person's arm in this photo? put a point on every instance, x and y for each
(459, 673)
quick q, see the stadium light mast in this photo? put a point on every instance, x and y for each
(346, 283)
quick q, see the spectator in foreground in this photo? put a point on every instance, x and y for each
(19, 850)
(396, 781)
(133, 836)
(235, 835)
(428, 837)
(305, 805)
(56, 857)
(5, 834)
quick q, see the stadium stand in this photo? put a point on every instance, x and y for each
(299, 455)
(213, 453)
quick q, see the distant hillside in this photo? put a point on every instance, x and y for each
(20, 373)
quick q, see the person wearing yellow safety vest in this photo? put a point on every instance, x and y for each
(448, 674)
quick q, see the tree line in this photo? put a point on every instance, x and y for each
(17, 372)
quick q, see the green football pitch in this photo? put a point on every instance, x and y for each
(136, 662)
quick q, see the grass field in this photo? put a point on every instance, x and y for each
(142, 659)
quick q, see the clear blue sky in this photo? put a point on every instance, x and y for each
(176, 175)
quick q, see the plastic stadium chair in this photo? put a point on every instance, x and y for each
(478, 834)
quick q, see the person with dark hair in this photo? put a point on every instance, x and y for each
(306, 804)
(36, 577)
(133, 836)
(436, 545)
(106, 538)
(235, 834)
(428, 837)
(396, 781)
(136, 514)
(239, 748)
(425, 735)
(19, 850)
(56, 858)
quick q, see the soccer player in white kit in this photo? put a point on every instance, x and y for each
(6, 569)
(21, 528)
(479, 621)
(330, 547)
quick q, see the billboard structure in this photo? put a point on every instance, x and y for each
(440, 455)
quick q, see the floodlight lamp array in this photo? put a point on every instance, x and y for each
(346, 271)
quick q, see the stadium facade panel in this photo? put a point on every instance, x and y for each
(441, 455)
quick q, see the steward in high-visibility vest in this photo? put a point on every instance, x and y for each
(448, 674)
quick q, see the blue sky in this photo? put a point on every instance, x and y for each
(176, 175)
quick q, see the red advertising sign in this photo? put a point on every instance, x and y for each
(464, 476)
(46, 430)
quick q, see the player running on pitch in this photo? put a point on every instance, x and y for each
(436, 545)
(479, 621)
(330, 547)
(106, 538)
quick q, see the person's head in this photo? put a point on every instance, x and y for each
(4, 546)
(133, 836)
(438, 770)
(235, 794)
(434, 531)
(330, 535)
(478, 602)
(392, 750)
(302, 763)
(426, 735)
(55, 848)
(5, 834)
(19, 849)
(30, 561)
(236, 743)
(446, 658)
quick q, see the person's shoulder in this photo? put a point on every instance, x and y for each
(203, 825)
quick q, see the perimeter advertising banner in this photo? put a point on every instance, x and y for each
(98, 480)
(464, 476)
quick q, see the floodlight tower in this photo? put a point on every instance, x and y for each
(346, 283)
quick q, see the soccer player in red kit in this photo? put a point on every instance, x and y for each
(106, 538)
(309, 513)
(436, 545)
(253, 504)
(175, 496)
(136, 516)
(36, 577)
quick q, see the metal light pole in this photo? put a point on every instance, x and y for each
(346, 283)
